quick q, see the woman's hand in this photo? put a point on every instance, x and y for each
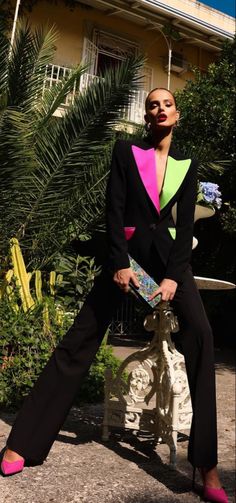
(167, 289)
(123, 277)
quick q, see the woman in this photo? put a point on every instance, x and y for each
(147, 178)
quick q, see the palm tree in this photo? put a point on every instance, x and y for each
(53, 170)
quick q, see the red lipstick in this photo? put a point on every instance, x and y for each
(162, 117)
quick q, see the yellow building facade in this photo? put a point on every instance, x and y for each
(101, 33)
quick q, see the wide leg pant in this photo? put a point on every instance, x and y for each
(48, 404)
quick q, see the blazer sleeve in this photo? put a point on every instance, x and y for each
(115, 208)
(181, 251)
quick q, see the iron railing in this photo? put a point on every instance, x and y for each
(55, 73)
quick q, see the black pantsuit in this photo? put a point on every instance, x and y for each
(45, 409)
(151, 244)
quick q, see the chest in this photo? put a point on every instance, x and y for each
(160, 168)
(161, 176)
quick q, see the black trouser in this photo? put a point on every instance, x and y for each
(47, 406)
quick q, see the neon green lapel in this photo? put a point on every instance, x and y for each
(175, 173)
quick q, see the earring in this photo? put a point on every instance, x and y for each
(148, 126)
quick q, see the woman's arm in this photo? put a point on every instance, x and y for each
(115, 208)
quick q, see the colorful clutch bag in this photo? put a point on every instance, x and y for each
(147, 284)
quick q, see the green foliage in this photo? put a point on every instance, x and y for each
(207, 106)
(25, 348)
(27, 338)
(207, 131)
(6, 15)
(53, 171)
(78, 277)
(171, 32)
(228, 221)
(92, 388)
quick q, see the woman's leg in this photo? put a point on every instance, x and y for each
(197, 346)
(47, 405)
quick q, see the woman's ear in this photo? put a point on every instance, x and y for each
(177, 115)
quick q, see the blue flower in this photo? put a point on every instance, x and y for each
(209, 194)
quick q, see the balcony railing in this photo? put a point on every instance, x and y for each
(135, 111)
(55, 73)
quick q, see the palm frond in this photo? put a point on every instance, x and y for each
(4, 51)
(26, 69)
(213, 168)
(16, 152)
(83, 208)
(206, 168)
(53, 171)
(66, 151)
(54, 96)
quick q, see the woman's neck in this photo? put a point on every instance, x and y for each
(162, 141)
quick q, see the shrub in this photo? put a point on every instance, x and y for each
(26, 344)
(78, 277)
(92, 388)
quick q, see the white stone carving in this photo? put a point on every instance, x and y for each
(150, 390)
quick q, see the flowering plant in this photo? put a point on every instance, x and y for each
(209, 195)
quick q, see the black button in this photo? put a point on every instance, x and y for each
(153, 227)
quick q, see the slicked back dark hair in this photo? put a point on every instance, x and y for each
(157, 89)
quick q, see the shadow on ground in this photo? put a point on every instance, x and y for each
(83, 426)
(225, 359)
(136, 448)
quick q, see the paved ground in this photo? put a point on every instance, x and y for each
(81, 468)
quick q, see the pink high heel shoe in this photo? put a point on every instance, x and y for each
(215, 495)
(211, 494)
(10, 468)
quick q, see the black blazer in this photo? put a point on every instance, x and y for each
(137, 218)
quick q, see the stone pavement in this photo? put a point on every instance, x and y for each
(82, 469)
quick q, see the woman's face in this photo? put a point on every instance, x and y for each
(161, 110)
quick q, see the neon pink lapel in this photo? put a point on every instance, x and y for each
(145, 160)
